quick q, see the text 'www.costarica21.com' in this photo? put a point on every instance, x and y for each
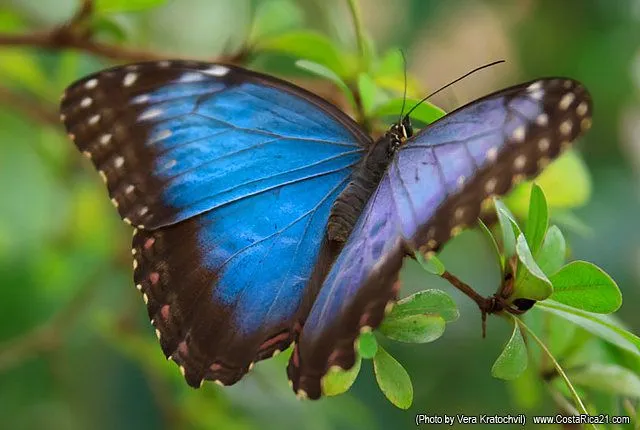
(521, 419)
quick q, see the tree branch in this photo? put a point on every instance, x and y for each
(31, 107)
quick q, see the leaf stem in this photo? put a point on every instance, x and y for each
(572, 390)
(354, 8)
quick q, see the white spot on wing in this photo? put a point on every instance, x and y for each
(566, 127)
(129, 79)
(535, 86)
(142, 98)
(191, 77)
(105, 139)
(543, 144)
(542, 119)
(490, 185)
(582, 108)
(118, 162)
(94, 120)
(161, 135)
(518, 134)
(217, 70)
(566, 101)
(91, 83)
(86, 102)
(149, 114)
(492, 154)
(520, 161)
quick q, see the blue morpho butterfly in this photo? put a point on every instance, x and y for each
(264, 215)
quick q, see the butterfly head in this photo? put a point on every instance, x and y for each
(399, 133)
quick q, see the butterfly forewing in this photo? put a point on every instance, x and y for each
(433, 187)
(229, 177)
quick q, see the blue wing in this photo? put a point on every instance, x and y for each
(229, 177)
(433, 187)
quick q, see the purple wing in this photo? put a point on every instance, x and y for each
(432, 188)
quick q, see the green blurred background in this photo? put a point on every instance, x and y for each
(76, 347)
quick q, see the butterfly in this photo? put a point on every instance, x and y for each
(265, 216)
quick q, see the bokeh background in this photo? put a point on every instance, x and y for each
(76, 348)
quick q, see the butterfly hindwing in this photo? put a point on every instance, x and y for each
(434, 185)
(229, 177)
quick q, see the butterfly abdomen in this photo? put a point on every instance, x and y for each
(347, 208)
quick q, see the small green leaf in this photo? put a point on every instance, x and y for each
(571, 222)
(426, 112)
(310, 46)
(426, 302)
(368, 93)
(275, 17)
(531, 282)
(585, 286)
(103, 7)
(393, 380)
(338, 381)
(432, 265)
(414, 328)
(609, 378)
(566, 182)
(513, 359)
(367, 344)
(391, 63)
(509, 228)
(537, 220)
(104, 26)
(494, 245)
(596, 324)
(322, 71)
(551, 255)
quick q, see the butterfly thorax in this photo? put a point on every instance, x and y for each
(347, 208)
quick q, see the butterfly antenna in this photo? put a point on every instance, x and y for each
(477, 69)
(404, 97)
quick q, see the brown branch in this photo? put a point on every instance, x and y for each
(48, 336)
(31, 107)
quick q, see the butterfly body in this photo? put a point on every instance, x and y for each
(265, 215)
(364, 181)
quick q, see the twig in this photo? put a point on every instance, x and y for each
(559, 368)
(354, 8)
(31, 107)
(48, 336)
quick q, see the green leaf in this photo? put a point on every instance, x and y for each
(494, 245)
(104, 26)
(566, 182)
(596, 324)
(426, 302)
(311, 46)
(426, 112)
(531, 282)
(585, 286)
(322, 71)
(414, 328)
(513, 359)
(367, 344)
(432, 265)
(338, 381)
(609, 378)
(551, 255)
(537, 220)
(22, 68)
(393, 380)
(571, 222)
(103, 7)
(368, 93)
(508, 226)
(275, 17)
